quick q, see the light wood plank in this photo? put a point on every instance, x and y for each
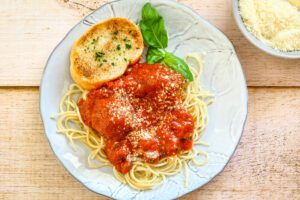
(30, 29)
(265, 166)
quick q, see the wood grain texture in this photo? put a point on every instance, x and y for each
(265, 165)
(30, 29)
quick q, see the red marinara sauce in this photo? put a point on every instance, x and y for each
(141, 115)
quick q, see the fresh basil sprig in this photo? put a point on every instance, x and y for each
(178, 65)
(155, 55)
(156, 38)
(153, 27)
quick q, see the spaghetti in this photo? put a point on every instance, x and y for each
(142, 175)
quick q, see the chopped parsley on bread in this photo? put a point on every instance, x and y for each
(104, 52)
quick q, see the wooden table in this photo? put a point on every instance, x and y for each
(266, 164)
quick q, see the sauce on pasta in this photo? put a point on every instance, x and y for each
(140, 115)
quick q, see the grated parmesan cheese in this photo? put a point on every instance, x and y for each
(275, 22)
(152, 154)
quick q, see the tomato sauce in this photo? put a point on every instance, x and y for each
(141, 115)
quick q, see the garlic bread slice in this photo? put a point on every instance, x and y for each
(104, 52)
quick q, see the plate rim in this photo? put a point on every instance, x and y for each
(246, 96)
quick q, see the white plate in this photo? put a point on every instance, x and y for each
(257, 42)
(222, 75)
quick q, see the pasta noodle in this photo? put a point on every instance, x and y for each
(143, 175)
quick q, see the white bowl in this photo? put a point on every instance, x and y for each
(255, 41)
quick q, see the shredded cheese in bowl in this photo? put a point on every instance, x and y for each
(275, 22)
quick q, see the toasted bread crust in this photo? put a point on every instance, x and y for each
(104, 52)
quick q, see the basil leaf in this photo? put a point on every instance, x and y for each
(156, 37)
(154, 33)
(154, 55)
(150, 13)
(153, 27)
(178, 65)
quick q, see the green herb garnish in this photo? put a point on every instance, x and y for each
(95, 40)
(119, 47)
(99, 55)
(156, 38)
(91, 45)
(128, 46)
(155, 55)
